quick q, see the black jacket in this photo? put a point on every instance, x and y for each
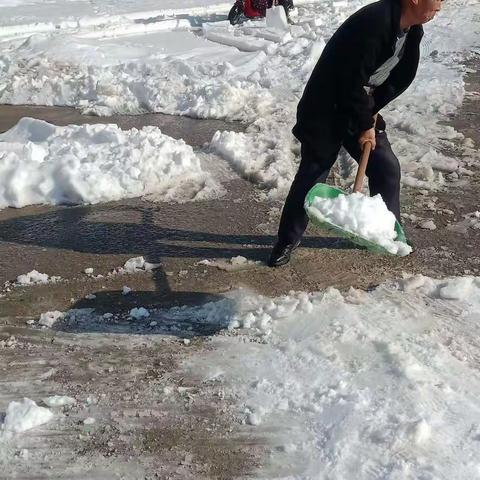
(334, 100)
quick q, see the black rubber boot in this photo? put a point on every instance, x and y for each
(281, 254)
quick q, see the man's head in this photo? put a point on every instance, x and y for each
(417, 12)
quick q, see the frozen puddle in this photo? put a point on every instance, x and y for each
(359, 385)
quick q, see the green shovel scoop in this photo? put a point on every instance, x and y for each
(322, 190)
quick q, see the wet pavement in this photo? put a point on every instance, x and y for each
(195, 132)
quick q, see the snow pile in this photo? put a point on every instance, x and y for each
(367, 217)
(22, 416)
(378, 384)
(264, 154)
(42, 163)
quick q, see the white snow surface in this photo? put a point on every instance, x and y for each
(116, 56)
(365, 216)
(43, 163)
(24, 415)
(379, 384)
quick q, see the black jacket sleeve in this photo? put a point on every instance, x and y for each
(359, 59)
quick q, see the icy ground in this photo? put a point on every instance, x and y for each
(198, 65)
(379, 384)
(362, 385)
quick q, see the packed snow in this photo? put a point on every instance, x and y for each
(251, 72)
(378, 384)
(42, 163)
(24, 415)
(367, 217)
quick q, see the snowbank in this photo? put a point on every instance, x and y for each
(367, 217)
(42, 163)
(379, 384)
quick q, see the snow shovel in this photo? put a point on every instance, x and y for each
(322, 190)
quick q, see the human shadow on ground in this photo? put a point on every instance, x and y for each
(185, 314)
(134, 230)
(138, 230)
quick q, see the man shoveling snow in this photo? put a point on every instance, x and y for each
(370, 60)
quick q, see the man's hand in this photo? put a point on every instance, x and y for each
(367, 136)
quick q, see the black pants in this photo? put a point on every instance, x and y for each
(383, 172)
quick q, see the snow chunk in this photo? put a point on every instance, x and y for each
(365, 216)
(421, 431)
(22, 416)
(456, 288)
(428, 225)
(32, 277)
(138, 264)
(139, 313)
(48, 319)
(276, 18)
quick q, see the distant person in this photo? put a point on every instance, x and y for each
(369, 61)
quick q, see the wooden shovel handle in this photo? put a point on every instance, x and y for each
(362, 167)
